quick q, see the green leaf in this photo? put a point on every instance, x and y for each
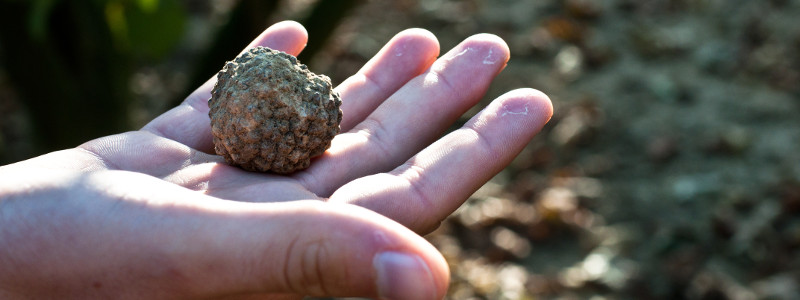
(117, 24)
(148, 6)
(154, 32)
(39, 17)
(146, 28)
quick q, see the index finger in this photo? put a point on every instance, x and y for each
(188, 123)
(435, 182)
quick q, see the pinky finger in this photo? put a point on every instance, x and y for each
(431, 185)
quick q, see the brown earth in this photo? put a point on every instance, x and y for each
(671, 168)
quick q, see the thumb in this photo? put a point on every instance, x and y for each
(307, 248)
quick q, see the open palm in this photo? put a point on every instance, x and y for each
(387, 159)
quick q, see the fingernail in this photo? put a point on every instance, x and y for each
(403, 276)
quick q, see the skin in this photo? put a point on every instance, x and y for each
(153, 214)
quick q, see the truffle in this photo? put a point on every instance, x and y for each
(269, 113)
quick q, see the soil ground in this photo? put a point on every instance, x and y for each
(670, 170)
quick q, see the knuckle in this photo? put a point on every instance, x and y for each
(306, 271)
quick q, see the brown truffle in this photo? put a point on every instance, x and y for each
(270, 113)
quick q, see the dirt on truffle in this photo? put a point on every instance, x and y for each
(269, 113)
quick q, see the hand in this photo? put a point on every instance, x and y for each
(151, 214)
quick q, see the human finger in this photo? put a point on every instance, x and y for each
(405, 56)
(307, 248)
(188, 123)
(412, 117)
(436, 181)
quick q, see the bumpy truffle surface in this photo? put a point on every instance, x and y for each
(269, 113)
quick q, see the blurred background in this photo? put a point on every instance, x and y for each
(671, 169)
